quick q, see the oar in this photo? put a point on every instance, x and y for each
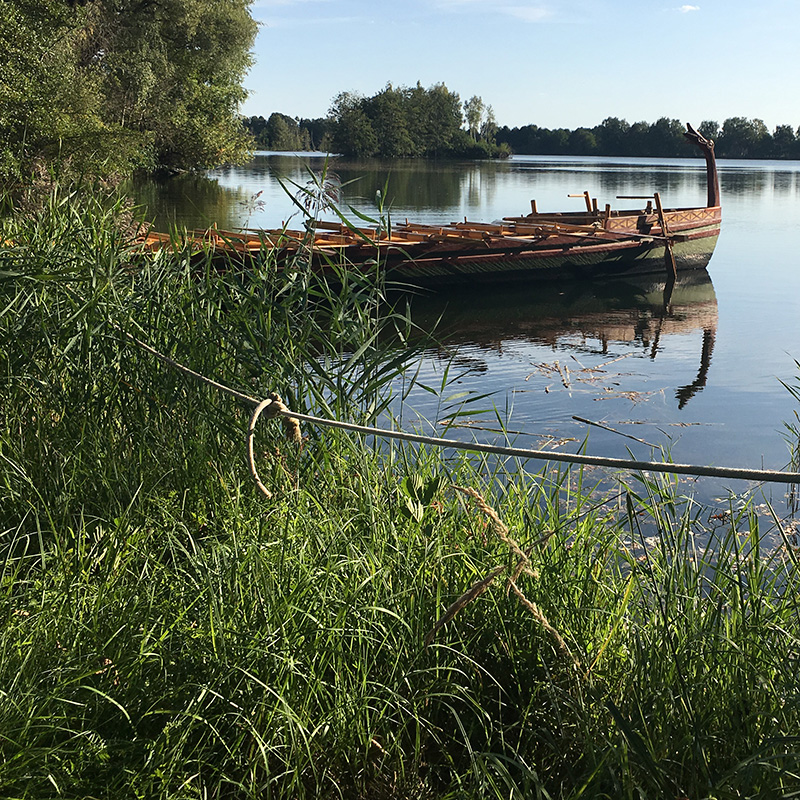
(669, 255)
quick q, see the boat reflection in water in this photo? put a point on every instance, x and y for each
(641, 315)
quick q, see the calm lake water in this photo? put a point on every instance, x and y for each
(702, 378)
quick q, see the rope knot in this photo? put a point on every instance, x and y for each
(291, 426)
(275, 407)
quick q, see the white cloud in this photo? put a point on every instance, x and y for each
(687, 9)
(527, 13)
(282, 3)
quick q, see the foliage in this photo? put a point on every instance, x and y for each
(281, 132)
(49, 106)
(101, 87)
(738, 137)
(404, 122)
(474, 111)
(353, 132)
(169, 633)
(436, 119)
(480, 119)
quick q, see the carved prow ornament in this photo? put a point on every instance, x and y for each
(707, 146)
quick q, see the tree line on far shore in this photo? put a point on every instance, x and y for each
(736, 137)
(418, 122)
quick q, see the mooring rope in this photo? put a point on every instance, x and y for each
(273, 406)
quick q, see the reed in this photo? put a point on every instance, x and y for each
(168, 632)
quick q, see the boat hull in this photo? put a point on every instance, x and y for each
(694, 234)
(577, 263)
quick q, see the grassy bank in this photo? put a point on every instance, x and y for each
(169, 632)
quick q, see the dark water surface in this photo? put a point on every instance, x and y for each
(700, 377)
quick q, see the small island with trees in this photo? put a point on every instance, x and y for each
(397, 122)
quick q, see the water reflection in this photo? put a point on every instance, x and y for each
(753, 178)
(427, 191)
(415, 185)
(685, 393)
(259, 194)
(192, 201)
(584, 318)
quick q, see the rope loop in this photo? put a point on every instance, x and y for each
(270, 407)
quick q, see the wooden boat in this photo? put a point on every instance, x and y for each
(591, 243)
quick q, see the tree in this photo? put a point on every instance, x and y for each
(109, 86)
(173, 71)
(554, 142)
(666, 138)
(744, 138)
(582, 142)
(488, 125)
(353, 134)
(49, 106)
(611, 136)
(434, 118)
(319, 133)
(258, 130)
(388, 112)
(473, 112)
(397, 122)
(526, 139)
(784, 141)
(283, 133)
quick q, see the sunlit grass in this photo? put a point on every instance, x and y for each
(168, 632)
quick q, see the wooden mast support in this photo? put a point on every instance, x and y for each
(669, 255)
(586, 198)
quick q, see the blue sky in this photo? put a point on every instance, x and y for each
(555, 63)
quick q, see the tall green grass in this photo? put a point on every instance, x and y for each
(167, 632)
